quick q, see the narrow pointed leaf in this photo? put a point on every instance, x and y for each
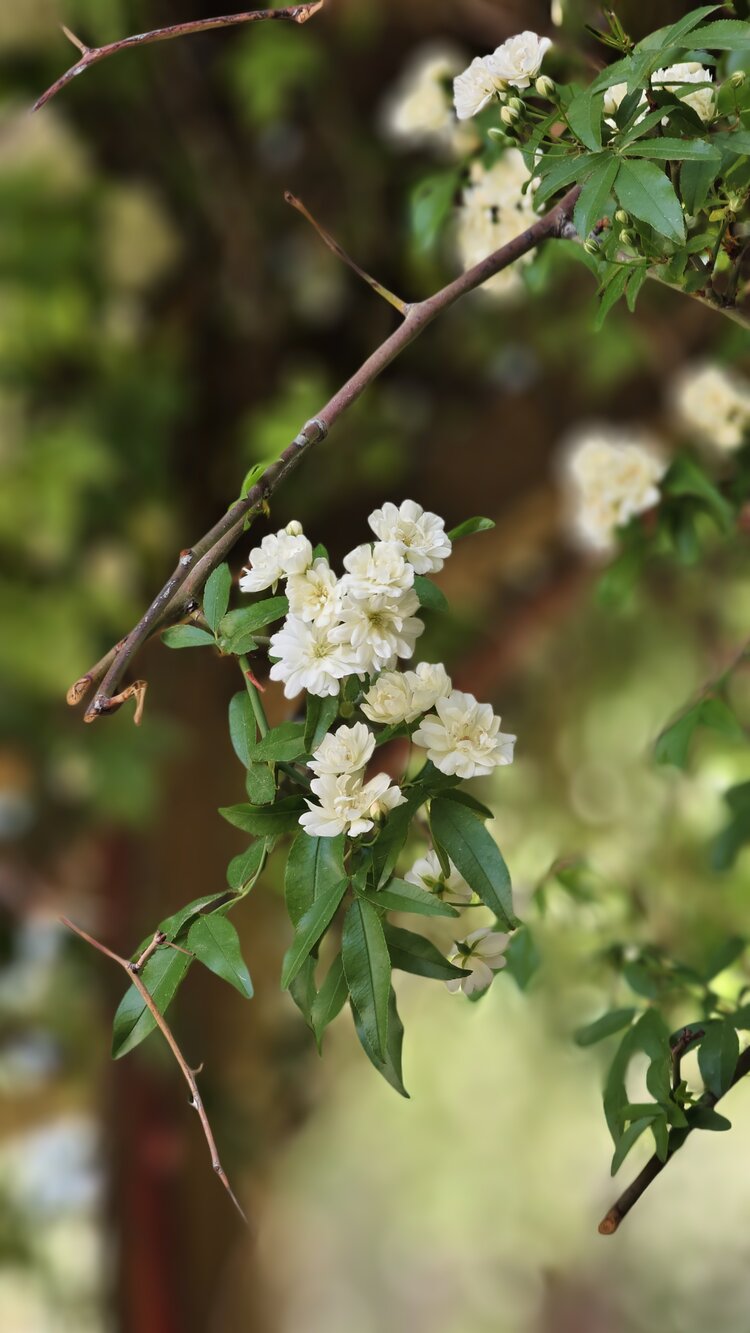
(215, 943)
(476, 856)
(367, 966)
(310, 928)
(133, 1021)
(216, 595)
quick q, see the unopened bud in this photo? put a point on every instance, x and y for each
(738, 78)
(590, 246)
(346, 709)
(293, 529)
(509, 115)
(545, 86)
(516, 103)
(622, 216)
(627, 237)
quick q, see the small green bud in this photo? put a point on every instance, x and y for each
(509, 115)
(627, 237)
(590, 246)
(516, 103)
(738, 78)
(545, 86)
(622, 216)
(346, 709)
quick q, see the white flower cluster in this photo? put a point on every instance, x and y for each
(360, 623)
(347, 804)
(494, 209)
(674, 77)
(715, 403)
(612, 476)
(515, 64)
(419, 111)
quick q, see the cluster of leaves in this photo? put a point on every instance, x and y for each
(340, 893)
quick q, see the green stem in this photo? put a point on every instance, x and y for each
(255, 699)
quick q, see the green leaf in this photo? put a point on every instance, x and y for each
(606, 1026)
(557, 173)
(429, 594)
(705, 1117)
(431, 202)
(266, 821)
(401, 896)
(462, 797)
(469, 527)
(260, 784)
(636, 279)
(722, 957)
(172, 925)
(666, 37)
(717, 1057)
(321, 714)
(394, 832)
(313, 865)
(236, 629)
(283, 744)
(522, 957)
(187, 636)
(367, 966)
(584, 116)
(724, 35)
(133, 1021)
(243, 868)
(310, 928)
(673, 745)
(687, 478)
(476, 856)
(593, 198)
(216, 595)
(644, 190)
(242, 727)
(303, 990)
(660, 1131)
(215, 943)
(330, 999)
(674, 150)
(413, 953)
(390, 1067)
(734, 141)
(696, 179)
(614, 290)
(625, 1143)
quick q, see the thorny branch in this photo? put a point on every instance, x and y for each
(91, 55)
(179, 595)
(133, 971)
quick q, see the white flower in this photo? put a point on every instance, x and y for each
(309, 659)
(427, 874)
(419, 535)
(493, 211)
(465, 738)
(703, 100)
(475, 88)
(715, 403)
(279, 555)
(482, 955)
(613, 97)
(428, 683)
(519, 60)
(347, 805)
(390, 700)
(346, 750)
(315, 595)
(379, 629)
(419, 110)
(612, 476)
(380, 568)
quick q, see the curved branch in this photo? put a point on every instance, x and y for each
(91, 55)
(178, 596)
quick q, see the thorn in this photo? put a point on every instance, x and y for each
(254, 681)
(82, 47)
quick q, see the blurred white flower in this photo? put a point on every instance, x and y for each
(315, 595)
(715, 403)
(346, 750)
(379, 629)
(465, 738)
(482, 955)
(419, 110)
(377, 569)
(427, 874)
(703, 100)
(309, 659)
(347, 805)
(419, 535)
(494, 210)
(278, 556)
(475, 88)
(519, 60)
(612, 476)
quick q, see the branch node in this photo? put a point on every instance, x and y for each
(76, 41)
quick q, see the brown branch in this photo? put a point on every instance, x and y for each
(654, 1167)
(180, 593)
(91, 55)
(196, 1101)
(341, 254)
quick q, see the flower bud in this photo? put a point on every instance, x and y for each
(738, 78)
(622, 216)
(545, 86)
(627, 237)
(293, 529)
(516, 103)
(590, 246)
(509, 115)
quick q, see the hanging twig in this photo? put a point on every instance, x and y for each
(91, 55)
(341, 254)
(196, 1101)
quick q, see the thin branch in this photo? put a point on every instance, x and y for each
(341, 254)
(91, 55)
(180, 594)
(196, 1101)
(654, 1167)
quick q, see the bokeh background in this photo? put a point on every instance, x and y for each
(166, 321)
